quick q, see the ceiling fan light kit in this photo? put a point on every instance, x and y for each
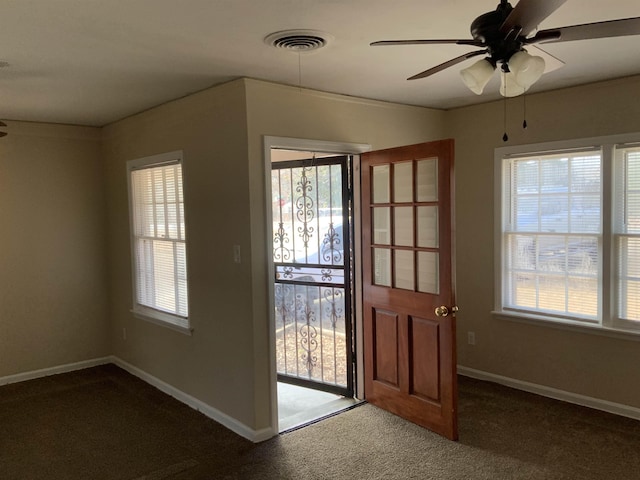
(504, 33)
(527, 69)
(522, 71)
(508, 85)
(478, 75)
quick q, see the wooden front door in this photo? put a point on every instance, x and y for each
(408, 284)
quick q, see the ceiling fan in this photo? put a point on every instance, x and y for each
(504, 33)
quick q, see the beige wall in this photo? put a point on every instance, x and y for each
(215, 363)
(587, 364)
(276, 110)
(53, 295)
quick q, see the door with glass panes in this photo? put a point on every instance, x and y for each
(408, 283)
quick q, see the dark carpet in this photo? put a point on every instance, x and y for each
(104, 424)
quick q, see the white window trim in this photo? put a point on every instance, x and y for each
(608, 327)
(143, 312)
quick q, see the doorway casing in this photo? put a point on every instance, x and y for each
(318, 146)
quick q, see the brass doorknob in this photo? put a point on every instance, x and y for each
(443, 311)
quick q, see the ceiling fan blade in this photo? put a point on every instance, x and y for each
(450, 63)
(551, 63)
(476, 43)
(528, 14)
(611, 28)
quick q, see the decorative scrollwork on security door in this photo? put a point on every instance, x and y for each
(331, 250)
(327, 274)
(305, 207)
(308, 336)
(284, 303)
(287, 273)
(334, 309)
(281, 253)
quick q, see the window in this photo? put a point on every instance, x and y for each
(627, 232)
(568, 230)
(158, 239)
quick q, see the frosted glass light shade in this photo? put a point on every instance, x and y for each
(527, 69)
(477, 75)
(508, 85)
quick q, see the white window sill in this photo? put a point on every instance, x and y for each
(567, 325)
(161, 319)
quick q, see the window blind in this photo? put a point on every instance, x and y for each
(552, 233)
(627, 231)
(159, 240)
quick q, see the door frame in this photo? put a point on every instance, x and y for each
(319, 146)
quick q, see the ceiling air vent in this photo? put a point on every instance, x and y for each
(298, 40)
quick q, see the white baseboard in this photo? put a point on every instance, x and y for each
(591, 402)
(266, 433)
(211, 412)
(45, 372)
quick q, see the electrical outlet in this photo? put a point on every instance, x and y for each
(471, 338)
(236, 254)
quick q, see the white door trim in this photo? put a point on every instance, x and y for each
(290, 143)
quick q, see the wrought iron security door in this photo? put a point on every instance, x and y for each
(312, 258)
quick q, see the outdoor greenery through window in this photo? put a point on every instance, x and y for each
(158, 239)
(570, 234)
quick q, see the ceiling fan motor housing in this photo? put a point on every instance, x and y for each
(486, 29)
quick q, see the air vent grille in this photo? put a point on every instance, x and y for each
(298, 40)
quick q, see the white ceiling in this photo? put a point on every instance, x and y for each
(92, 62)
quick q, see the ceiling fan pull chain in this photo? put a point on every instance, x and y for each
(524, 116)
(299, 73)
(505, 137)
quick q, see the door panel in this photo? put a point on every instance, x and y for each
(386, 347)
(410, 358)
(425, 376)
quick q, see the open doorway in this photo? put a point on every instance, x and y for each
(314, 295)
(312, 256)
